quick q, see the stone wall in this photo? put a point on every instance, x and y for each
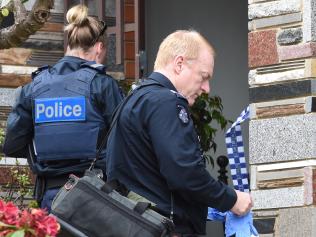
(282, 131)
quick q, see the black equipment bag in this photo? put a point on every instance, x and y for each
(90, 207)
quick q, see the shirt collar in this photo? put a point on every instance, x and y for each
(163, 80)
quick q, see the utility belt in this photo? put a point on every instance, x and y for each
(42, 184)
(56, 182)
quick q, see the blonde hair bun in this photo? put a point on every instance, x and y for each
(77, 15)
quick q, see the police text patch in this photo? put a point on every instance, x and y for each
(60, 109)
(183, 114)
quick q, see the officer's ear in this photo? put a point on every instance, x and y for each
(178, 64)
(99, 46)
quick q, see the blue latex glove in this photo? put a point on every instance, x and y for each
(241, 226)
(215, 215)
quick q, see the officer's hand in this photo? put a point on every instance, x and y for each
(243, 203)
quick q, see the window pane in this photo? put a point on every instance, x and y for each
(110, 8)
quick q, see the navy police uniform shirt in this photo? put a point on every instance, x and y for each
(154, 150)
(105, 95)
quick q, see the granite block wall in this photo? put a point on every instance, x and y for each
(282, 150)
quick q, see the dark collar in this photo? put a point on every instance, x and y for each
(70, 63)
(77, 61)
(163, 80)
(73, 59)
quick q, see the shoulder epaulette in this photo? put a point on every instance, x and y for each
(40, 69)
(99, 67)
(178, 94)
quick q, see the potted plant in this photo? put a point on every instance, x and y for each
(207, 111)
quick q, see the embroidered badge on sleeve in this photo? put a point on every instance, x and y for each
(183, 114)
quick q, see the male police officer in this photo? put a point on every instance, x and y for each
(66, 110)
(154, 150)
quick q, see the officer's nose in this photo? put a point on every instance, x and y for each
(206, 87)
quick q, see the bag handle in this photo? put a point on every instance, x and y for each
(141, 207)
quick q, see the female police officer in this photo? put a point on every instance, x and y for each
(65, 110)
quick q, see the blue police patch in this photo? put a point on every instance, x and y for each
(183, 114)
(60, 109)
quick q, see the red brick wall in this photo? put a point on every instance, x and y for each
(129, 41)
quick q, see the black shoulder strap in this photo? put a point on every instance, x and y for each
(115, 117)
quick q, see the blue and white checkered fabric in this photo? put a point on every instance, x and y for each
(239, 226)
(236, 154)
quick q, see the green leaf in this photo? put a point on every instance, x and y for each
(19, 233)
(5, 12)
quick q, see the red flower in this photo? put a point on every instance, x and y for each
(25, 219)
(9, 213)
(51, 226)
(34, 222)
